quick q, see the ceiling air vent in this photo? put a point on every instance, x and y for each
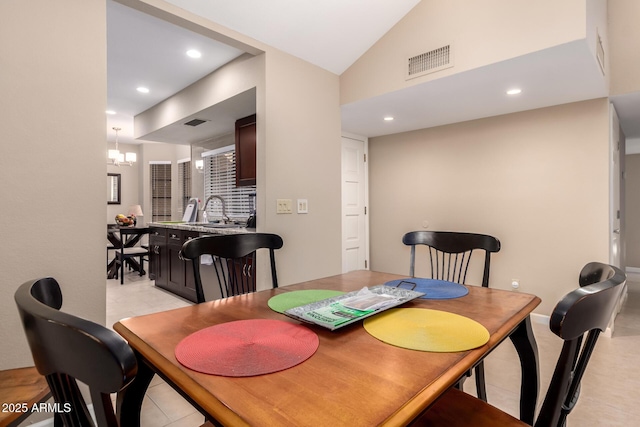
(195, 122)
(600, 52)
(430, 62)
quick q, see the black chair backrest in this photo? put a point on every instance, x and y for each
(66, 348)
(450, 253)
(126, 234)
(578, 319)
(233, 260)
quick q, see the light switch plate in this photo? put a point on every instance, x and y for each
(303, 206)
(283, 206)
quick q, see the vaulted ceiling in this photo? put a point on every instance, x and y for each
(333, 34)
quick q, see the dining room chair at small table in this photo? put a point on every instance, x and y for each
(127, 254)
(233, 257)
(67, 349)
(578, 319)
(449, 258)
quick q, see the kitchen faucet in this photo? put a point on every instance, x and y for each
(225, 217)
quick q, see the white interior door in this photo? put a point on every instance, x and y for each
(616, 255)
(355, 246)
(615, 249)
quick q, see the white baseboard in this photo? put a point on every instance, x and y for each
(633, 274)
(540, 318)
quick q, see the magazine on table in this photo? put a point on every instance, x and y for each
(342, 310)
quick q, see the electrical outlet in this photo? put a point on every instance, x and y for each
(303, 206)
(283, 206)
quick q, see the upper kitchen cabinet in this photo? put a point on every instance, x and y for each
(246, 151)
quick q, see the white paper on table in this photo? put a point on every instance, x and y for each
(366, 300)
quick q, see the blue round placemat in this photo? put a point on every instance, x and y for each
(433, 289)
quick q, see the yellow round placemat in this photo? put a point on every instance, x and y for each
(427, 330)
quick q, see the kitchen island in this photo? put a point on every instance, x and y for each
(167, 268)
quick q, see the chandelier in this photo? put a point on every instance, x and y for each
(117, 158)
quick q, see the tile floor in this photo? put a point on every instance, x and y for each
(162, 405)
(609, 388)
(608, 396)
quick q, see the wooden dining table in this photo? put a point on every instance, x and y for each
(353, 379)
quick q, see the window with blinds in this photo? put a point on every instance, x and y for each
(160, 192)
(184, 183)
(220, 179)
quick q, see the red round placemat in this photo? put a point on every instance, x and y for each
(247, 347)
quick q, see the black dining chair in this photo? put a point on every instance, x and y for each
(578, 319)
(450, 253)
(67, 349)
(126, 254)
(449, 257)
(233, 259)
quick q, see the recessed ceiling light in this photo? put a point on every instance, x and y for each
(388, 119)
(142, 89)
(514, 91)
(194, 53)
(111, 112)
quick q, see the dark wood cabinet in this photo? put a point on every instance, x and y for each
(175, 275)
(176, 265)
(169, 271)
(246, 151)
(158, 267)
(189, 277)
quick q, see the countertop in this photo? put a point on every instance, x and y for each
(203, 227)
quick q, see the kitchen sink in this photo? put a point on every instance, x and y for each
(220, 225)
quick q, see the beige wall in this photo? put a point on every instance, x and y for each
(129, 175)
(482, 33)
(632, 210)
(232, 79)
(300, 158)
(136, 179)
(298, 148)
(537, 180)
(242, 74)
(52, 166)
(624, 33)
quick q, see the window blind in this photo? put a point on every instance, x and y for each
(184, 183)
(220, 179)
(160, 192)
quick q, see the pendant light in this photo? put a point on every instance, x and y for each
(117, 158)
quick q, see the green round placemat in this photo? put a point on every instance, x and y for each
(427, 330)
(287, 300)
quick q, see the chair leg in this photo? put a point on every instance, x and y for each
(122, 263)
(481, 386)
